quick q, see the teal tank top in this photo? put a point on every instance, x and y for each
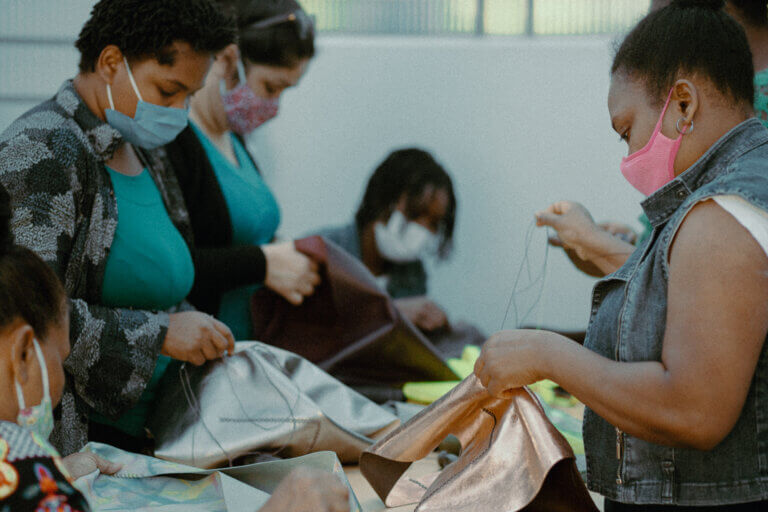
(149, 267)
(761, 96)
(255, 216)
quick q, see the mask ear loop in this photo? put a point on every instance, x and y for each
(685, 130)
(133, 84)
(43, 369)
(240, 75)
(43, 373)
(19, 396)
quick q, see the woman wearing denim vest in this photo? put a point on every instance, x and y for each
(674, 368)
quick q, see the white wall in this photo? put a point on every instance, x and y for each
(518, 123)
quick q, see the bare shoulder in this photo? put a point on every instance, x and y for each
(712, 236)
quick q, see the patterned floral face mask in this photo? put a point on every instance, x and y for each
(246, 111)
(37, 418)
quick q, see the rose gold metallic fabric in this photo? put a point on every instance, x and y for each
(513, 458)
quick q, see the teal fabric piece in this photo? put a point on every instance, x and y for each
(149, 267)
(761, 96)
(146, 483)
(255, 216)
(647, 229)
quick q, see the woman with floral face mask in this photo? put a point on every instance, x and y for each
(233, 213)
(673, 369)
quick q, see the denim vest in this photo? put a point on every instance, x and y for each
(627, 323)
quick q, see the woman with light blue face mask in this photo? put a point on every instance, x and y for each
(94, 199)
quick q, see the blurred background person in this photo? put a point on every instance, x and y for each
(407, 214)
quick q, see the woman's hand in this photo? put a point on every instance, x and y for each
(620, 231)
(290, 273)
(574, 226)
(595, 250)
(85, 463)
(513, 359)
(306, 490)
(422, 312)
(195, 337)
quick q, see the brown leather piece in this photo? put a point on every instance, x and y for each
(513, 458)
(349, 327)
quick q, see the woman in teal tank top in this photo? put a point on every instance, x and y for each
(146, 269)
(233, 213)
(255, 216)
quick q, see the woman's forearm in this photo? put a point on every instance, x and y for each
(640, 398)
(606, 251)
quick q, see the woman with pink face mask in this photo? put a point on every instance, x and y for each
(233, 212)
(674, 367)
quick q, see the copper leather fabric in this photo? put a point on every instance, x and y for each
(261, 399)
(349, 326)
(513, 459)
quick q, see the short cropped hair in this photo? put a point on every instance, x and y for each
(147, 29)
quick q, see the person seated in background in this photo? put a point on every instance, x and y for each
(101, 209)
(407, 214)
(233, 213)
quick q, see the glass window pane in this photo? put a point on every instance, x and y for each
(505, 17)
(394, 16)
(586, 16)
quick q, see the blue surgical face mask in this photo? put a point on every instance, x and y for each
(152, 126)
(38, 419)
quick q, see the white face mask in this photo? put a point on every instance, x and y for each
(401, 241)
(37, 418)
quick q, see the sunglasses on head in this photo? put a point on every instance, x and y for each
(305, 24)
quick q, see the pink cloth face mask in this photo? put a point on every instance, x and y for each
(652, 167)
(246, 111)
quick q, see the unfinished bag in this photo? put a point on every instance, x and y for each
(349, 326)
(513, 459)
(261, 399)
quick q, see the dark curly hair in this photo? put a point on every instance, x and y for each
(147, 28)
(754, 12)
(280, 45)
(688, 36)
(29, 288)
(407, 171)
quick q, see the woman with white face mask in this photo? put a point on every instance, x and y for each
(233, 213)
(407, 215)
